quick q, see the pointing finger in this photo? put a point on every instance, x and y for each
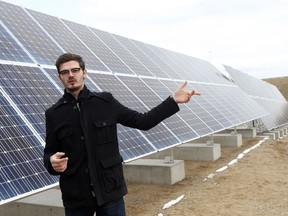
(195, 92)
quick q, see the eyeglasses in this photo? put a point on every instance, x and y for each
(67, 72)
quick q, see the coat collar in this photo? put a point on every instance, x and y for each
(84, 94)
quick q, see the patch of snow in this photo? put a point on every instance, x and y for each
(173, 202)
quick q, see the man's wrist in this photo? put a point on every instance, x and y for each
(173, 97)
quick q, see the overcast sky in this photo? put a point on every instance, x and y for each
(248, 35)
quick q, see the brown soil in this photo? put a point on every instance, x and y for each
(281, 84)
(256, 185)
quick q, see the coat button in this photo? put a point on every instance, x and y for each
(82, 138)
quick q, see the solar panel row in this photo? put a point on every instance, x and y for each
(266, 95)
(138, 74)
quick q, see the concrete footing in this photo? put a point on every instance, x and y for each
(48, 203)
(198, 151)
(246, 132)
(284, 131)
(270, 135)
(154, 171)
(276, 133)
(192, 152)
(225, 140)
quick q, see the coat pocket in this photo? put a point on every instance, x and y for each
(75, 187)
(105, 131)
(113, 173)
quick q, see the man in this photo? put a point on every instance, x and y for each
(82, 145)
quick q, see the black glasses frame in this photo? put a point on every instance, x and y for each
(67, 72)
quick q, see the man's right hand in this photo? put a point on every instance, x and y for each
(59, 161)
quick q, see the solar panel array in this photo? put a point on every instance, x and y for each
(138, 74)
(266, 95)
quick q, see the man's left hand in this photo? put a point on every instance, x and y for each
(183, 96)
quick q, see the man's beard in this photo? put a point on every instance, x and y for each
(74, 88)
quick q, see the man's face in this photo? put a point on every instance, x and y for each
(72, 76)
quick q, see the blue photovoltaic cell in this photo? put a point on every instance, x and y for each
(173, 70)
(69, 43)
(245, 108)
(183, 69)
(131, 61)
(188, 72)
(265, 94)
(146, 61)
(9, 49)
(31, 36)
(148, 65)
(198, 69)
(215, 105)
(108, 56)
(253, 86)
(236, 110)
(101, 50)
(92, 43)
(30, 91)
(160, 68)
(21, 169)
(277, 113)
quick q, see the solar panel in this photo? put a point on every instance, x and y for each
(253, 86)
(29, 34)
(175, 123)
(158, 67)
(265, 94)
(9, 49)
(189, 114)
(21, 171)
(119, 50)
(139, 75)
(29, 90)
(146, 61)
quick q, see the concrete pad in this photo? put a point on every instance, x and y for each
(48, 203)
(281, 132)
(225, 140)
(284, 131)
(191, 152)
(154, 171)
(270, 135)
(198, 151)
(246, 132)
(277, 133)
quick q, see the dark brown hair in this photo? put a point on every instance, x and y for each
(69, 57)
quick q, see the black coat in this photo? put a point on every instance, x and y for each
(85, 130)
